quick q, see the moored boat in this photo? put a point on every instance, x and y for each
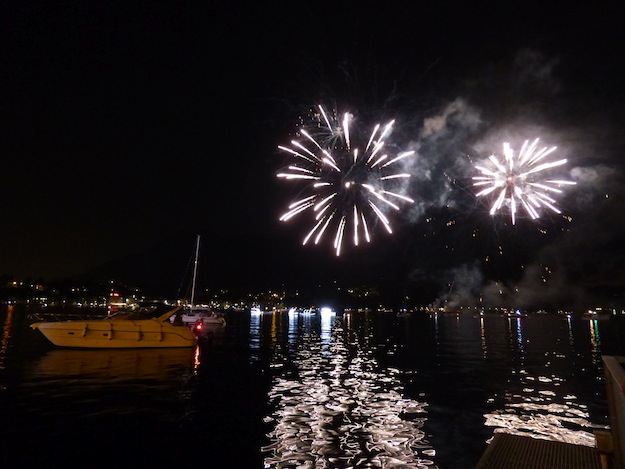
(200, 314)
(514, 314)
(143, 328)
(212, 319)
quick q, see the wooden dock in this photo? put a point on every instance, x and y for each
(614, 371)
(508, 451)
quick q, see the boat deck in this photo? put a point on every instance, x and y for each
(521, 452)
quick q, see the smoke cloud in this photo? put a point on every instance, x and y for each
(570, 260)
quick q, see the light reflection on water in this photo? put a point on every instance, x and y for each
(97, 367)
(540, 407)
(254, 338)
(6, 336)
(340, 408)
(92, 378)
(595, 339)
(483, 338)
(543, 410)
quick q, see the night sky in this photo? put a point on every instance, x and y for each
(129, 127)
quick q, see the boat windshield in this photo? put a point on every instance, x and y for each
(144, 312)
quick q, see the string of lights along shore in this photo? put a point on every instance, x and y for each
(353, 178)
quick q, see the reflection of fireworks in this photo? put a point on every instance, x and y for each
(520, 181)
(337, 407)
(348, 184)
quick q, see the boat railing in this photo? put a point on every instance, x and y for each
(62, 316)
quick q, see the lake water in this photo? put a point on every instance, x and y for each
(278, 390)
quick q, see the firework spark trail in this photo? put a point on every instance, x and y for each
(343, 180)
(519, 181)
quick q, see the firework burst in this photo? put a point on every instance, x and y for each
(521, 181)
(350, 181)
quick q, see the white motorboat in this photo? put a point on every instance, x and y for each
(147, 327)
(193, 317)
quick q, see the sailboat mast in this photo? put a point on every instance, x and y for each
(197, 252)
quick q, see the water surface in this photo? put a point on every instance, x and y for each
(280, 390)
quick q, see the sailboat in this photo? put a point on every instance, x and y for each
(199, 316)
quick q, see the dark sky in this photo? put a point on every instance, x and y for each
(125, 124)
